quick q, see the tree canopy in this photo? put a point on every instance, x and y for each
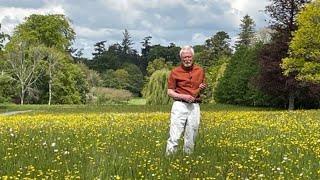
(156, 89)
(52, 30)
(304, 51)
(247, 32)
(271, 79)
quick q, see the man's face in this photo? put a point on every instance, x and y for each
(187, 59)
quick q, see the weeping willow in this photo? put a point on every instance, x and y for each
(156, 90)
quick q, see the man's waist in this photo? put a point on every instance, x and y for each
(195, 101)
(190, 91)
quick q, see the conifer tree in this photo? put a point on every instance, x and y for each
(246, 36)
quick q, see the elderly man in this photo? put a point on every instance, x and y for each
(184, 85)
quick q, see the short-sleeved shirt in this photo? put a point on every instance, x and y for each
(186, 80)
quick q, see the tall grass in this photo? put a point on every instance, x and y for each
(231, 145)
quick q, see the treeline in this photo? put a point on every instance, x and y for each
(275, 67)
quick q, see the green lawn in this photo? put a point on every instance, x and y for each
(136, 105)
(137, 101)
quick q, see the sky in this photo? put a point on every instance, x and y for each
(182, 22)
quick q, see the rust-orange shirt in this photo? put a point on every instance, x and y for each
(186, 80)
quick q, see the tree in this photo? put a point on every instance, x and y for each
(53, 57)
(246, 36)
(93, 78)
(52, 30)
(7, 88)
(135, 79)
(169, 53)
(263, 35)
(114, 58)
(283, 13)
(205, 58)
(3, 37)
(25, 65)
(109, 79)
(304, 60)
(156, 90)
(109, 59)
(63, 81)
(237, 83)
(77, 56)
(118, 79)
(217, 46)
(70, 85)
(271, 80)
(122, 77)
(173, 54)
(127, 43)
(158, 64)
(79, 53)
(146, 44)
(199, 48)
(99, 49)
(213, 76)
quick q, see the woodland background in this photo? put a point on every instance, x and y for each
(277, 66)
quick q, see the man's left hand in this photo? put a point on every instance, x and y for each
(203, 86)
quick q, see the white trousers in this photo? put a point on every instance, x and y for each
(184, 117)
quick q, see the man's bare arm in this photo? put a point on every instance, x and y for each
(176, 96)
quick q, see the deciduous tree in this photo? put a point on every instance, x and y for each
(304, 60)
(158, 64)
(24, 64)
(52, 30)
(53, 57)
(271, 80)
(156, 90)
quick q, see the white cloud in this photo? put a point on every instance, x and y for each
(89, 33)
(12, 16)
(239, 4)
(198, 38)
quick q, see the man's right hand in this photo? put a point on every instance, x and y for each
(177, 96)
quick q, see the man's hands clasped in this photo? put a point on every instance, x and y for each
(188, 98)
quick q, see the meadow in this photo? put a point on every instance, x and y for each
(128, 142)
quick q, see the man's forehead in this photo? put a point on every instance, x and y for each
(186, 53)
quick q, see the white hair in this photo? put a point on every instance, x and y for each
(187, 49)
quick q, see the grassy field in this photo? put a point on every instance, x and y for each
(68, 142)
(131, 107)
